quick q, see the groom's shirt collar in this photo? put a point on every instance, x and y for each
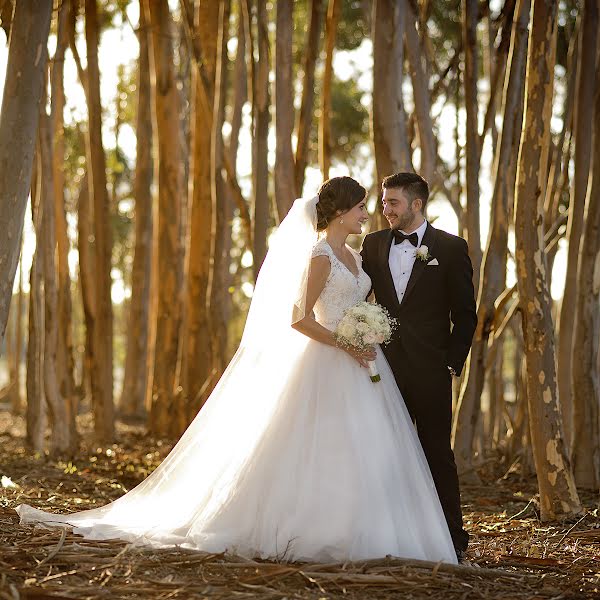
(420, 231)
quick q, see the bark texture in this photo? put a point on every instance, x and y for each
(558, 496)
(18, 125)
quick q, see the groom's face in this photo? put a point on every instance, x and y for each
(397, 209)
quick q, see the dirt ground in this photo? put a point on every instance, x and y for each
(512, 554)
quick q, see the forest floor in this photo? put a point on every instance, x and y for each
(512, 554)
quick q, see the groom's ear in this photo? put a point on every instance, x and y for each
(417, 204)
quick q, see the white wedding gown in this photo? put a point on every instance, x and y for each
(295, 457)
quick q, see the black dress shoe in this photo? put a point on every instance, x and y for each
(461, 556)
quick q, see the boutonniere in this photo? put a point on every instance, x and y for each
(422, 253)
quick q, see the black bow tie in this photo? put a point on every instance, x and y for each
(413, 238)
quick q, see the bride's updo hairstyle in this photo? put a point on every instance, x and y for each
(337, 196)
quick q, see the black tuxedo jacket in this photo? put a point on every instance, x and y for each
(437, 316)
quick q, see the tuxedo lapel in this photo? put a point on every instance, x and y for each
(419, 266)
(384, 260)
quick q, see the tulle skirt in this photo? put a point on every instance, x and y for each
(297, 455)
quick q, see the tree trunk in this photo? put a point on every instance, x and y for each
(135, 379)
(422, 98)
(493, 72)
(8, 352)
(458, 151)
(7, 393)
(65, 365)
(170, 190)
(221, 225)
(17, 399)
(240, 92)
(583, 147)
(333, 15)
(6, 15)
(494, 261)
(18, 124)
(390, 137)
(562, 191)
(60, 417)
(183, 81)
(317, 9)
(558, 496)
(199, 355)
(497, 77)
(496, 398)
(469, 32)
(240, 96)
(233, 195)
(561, 154)
(101, 367)
(36, 404)
(86, 250)
(260, 107)
(585, 447)
(285, 187)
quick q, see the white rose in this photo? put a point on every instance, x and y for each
(345, 330)
(370, 338)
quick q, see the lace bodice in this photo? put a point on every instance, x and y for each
(342, 289)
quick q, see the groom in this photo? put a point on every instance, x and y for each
(423, 276)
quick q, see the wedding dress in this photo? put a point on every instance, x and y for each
(296, 455)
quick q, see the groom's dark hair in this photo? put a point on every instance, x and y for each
(413, 186)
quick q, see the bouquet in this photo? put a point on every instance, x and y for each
(364, 325)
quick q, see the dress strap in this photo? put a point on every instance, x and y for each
(322, 248)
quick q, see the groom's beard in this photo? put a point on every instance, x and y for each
(403, 221)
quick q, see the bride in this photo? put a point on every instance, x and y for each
(296, 455)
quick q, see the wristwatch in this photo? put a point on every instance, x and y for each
(452, 371)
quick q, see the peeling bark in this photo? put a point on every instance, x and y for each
(558, 495)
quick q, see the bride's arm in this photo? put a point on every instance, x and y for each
(319, 271)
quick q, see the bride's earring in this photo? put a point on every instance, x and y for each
(341, 221)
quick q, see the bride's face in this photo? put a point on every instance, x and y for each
(356, 217)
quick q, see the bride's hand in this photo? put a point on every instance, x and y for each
(361, 356)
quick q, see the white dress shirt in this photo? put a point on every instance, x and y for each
(402, 259)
